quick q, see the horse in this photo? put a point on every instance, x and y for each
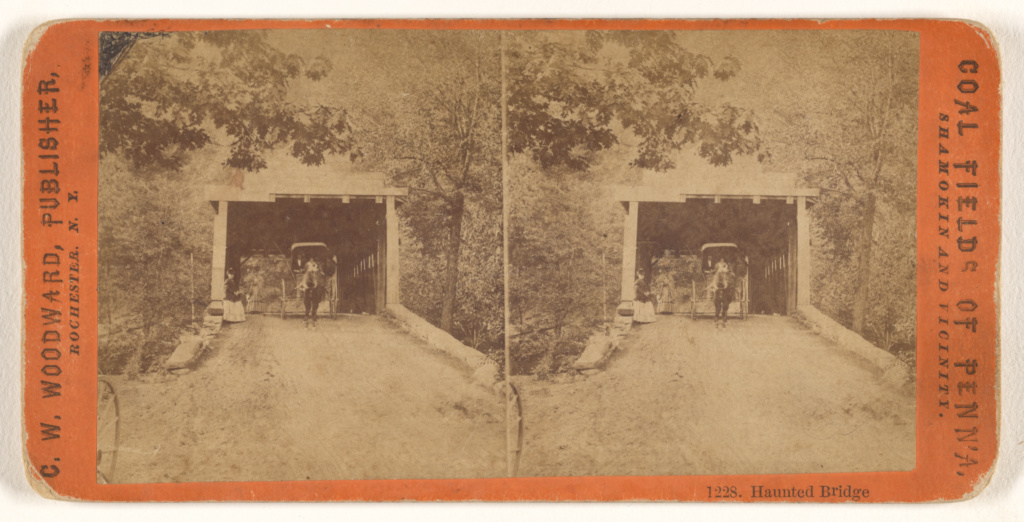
(313, 288)
(724, 292)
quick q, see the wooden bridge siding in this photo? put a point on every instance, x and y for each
(220, 247)
(391, 252)
(380, 270)
(791, 268)
(629, 258)
(775, 282)
(803, 249)
(798, 285)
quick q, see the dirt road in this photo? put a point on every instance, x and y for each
(354, 399)
(682, 398)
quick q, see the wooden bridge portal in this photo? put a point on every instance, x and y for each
(764, 214)
(353, 214)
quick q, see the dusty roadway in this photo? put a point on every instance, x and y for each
(681, 398)
(354, 399)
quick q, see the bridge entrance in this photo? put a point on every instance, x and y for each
(763, 233)
(765, 216)
(258, 221)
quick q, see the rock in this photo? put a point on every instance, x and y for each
(591, 372)
(188, 351)
(597, 350)
(897, 375)
(625, 309)
(215, 309)
(211, 324)
(180, 371)
(486, 375)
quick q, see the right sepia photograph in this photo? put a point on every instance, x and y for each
(712, 250)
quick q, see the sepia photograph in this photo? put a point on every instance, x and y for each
(300, 256)
(517, 261)
(712, 254)
(712, 251)
(612, 261)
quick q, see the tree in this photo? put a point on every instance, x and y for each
(862, 154)
(153, 247)
(438, 132)
(162, 95)
(573, 94)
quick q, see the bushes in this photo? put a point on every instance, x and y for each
(154, 258)
(549, 352)
(136, 351)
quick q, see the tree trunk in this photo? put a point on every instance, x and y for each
(865, 242)
(451, 271)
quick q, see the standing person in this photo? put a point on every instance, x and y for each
(666, 291)
(313, 289)
(299, 263)
(643, 308)
(721, 267)
(234, 310)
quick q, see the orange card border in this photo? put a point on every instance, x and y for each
(953, 54)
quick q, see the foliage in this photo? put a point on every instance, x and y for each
(862, 154)
(574, 94)
(162, 93)
(563, 249)
(479, 318)
(262, 275)
(547, 352)
(154, 254)
(438, 133)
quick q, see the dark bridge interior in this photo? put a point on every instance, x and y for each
(260, 236)
(761, 230)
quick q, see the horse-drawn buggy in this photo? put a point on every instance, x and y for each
(312, 267)
(723, 267)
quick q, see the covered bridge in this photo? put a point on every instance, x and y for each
(765, 214)
(352, 213)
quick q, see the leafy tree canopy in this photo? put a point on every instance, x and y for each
(573, 94)
(161, 99)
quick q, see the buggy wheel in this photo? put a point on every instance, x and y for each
(284, 297)
(108, 430)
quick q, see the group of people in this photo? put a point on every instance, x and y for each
(648, 303)
(313, 286)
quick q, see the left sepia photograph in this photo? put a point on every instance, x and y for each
(300, 256)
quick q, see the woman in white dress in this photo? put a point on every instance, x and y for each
(234, 310)
(643, 308)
